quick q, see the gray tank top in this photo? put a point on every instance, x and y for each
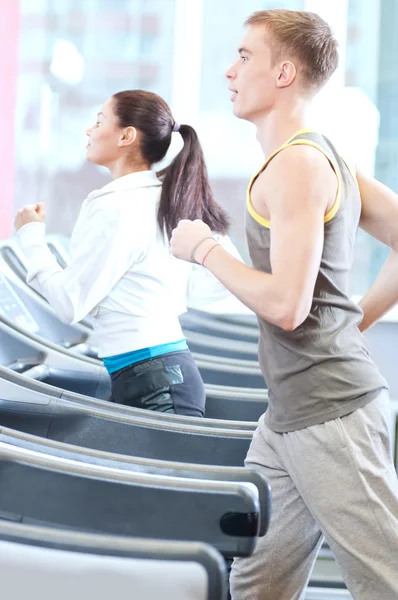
(322, 370)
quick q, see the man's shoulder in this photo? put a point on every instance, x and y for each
(292, 166)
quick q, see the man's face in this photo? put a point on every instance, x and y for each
(253, 78)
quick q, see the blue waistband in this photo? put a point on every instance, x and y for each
(120, 361)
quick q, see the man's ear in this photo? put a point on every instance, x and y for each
(287, 74)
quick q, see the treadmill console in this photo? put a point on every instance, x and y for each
(13, 309)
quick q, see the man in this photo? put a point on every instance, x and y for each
(323, 443)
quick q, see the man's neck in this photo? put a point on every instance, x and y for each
(278, 126)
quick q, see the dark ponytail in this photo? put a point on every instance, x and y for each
(186, 192)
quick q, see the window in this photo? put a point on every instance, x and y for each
(73, 55)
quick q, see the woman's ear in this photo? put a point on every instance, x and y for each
(128, 136)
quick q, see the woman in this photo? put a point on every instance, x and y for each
(122, 273)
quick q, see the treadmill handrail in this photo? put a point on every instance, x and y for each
(207, 362)
(83, 348)
(124, 547)
(197, 320)
(100, 543)
(108, 456)
(146, 421)
(37, 372)
(47, 390)
(22, 365)
(44, 343)
(72, 467)
(187, 470)
(214, 342)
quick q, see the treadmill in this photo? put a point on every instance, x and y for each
(149, 466)
(39, 408)
(47, 563)
(41, 489)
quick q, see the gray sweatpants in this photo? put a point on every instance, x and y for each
(335, 480)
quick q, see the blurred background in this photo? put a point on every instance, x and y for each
(61, 59)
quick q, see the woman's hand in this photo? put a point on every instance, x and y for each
(187, 237)
(32, 213)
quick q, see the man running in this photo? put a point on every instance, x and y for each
(323, 443)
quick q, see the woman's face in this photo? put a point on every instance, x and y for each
(103, 144)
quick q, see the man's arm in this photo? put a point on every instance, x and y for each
(294, 192)
(379, 218)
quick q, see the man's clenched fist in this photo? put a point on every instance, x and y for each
(187, 237)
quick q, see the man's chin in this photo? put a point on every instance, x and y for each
(238, 112)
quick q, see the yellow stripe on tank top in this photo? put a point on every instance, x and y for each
(293, 142)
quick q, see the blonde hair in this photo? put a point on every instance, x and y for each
(303, 36)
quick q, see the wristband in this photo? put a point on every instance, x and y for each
(208, 252)
(209, 237)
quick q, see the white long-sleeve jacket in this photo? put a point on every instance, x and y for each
(122, 272)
